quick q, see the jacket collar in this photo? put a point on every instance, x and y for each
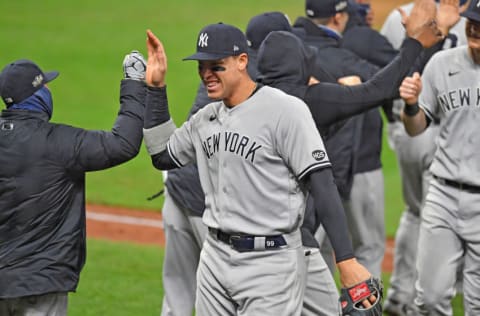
(23, 115)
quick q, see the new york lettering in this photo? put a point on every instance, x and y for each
(459, 98)
(234, 143)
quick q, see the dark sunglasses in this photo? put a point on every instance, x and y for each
(214, 68)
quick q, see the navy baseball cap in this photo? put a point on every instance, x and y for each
(462, 2)
(261, 25)
(473, 11)
(324, 8)
(21, 79)
(217, 41)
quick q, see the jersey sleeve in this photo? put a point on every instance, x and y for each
(180, 146)
(298, 140)
(428, 96)
(393, 30)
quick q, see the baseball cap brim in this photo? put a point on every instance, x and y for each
(471, 15)
(207, 56)
(51, 75)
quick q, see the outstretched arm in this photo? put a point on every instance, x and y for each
(158, 126)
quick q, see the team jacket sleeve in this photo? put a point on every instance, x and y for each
(330, 103)
(330, 212)
(95, 149)
(298, 139)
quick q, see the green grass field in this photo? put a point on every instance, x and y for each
(86, 41)
(123, 279)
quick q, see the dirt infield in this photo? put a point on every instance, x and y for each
(146, 228)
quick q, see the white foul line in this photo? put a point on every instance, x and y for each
(124, 219)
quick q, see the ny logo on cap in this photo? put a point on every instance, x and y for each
(342, 5)
(37, 81)
(203, 40)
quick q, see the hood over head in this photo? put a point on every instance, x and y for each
(285, 62)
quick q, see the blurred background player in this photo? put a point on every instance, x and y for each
(414, 156)
(449, 231)
(356, 145)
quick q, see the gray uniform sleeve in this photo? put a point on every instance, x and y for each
(299, 141)
(428, 96)
(393, 30)
(180, 145)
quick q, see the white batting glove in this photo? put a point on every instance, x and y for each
(134, 66)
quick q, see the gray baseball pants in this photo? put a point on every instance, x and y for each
(449, 232)
(321, 293)
(414, 156)
(184, 234)
(264, 282)
(365, 215)
(53, 304)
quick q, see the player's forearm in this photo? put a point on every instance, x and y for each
(158, 126)
(330, 211)
(331, 103)
(390, 77)
(414, 120)
(156, 108)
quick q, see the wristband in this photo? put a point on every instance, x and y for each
(411, 110)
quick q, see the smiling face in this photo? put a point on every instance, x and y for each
(223, 77)
(472, 30)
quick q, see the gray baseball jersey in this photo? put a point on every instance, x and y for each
(451, 94)
(449, 232)
(250, 160)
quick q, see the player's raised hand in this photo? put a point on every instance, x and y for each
(156, 62)
(421, 23)
(410, 89)
(448, 14)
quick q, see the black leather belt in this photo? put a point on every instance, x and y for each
(461, 186)
(243, 243)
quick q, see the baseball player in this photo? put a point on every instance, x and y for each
(449, 228)
(184, 198)
(257, 152)
(414, 156)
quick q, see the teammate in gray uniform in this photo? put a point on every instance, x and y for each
(449, 229)
(257, 152)
(184, 198)
(414, 156)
